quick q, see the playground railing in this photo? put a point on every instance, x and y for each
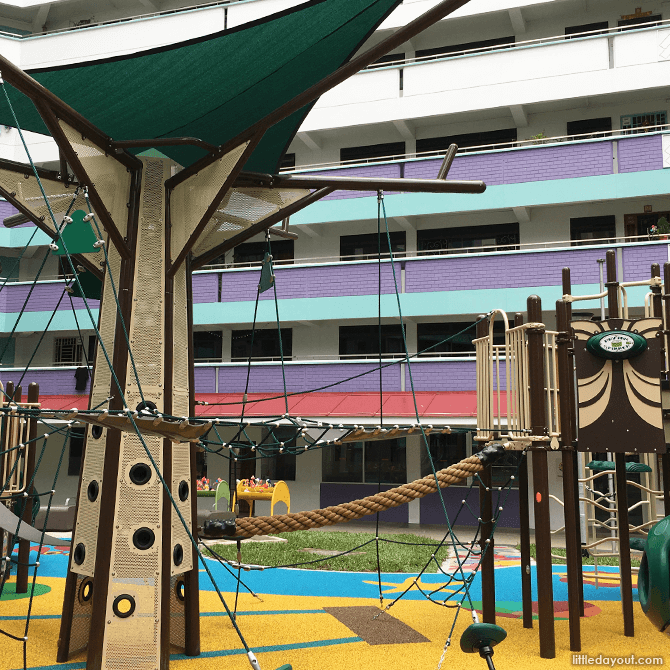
(503, 401)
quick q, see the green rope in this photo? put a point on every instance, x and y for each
(39, 342)
(281, 345)
(382, 210)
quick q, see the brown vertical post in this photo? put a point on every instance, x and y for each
(192, 578)
(545, 590)
(572, 536)
(658, 300)
(624, 545)
(612, 286)
(524, 530)
(24, 545)
(486, 516)
(665, 458)
(621, 480)
(27, 515)
(572, 398)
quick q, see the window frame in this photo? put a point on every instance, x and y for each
(287, 344)
(370, 333)
(358, 452)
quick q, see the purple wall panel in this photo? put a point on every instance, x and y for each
(206, 287)
(44, 298)
(511, 271)
(386, 171)
(637, 261)
(432, 512)
(205, 379)
(514, 167)
(335, 494)
(641, 153)
(299, 378)
(311, 282)
(445, 376)
(8, 210)
(52, 382)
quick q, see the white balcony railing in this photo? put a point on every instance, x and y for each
(539, 140)
(404, 255)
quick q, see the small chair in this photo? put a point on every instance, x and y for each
(222, 491)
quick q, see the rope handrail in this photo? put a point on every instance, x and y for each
(379, 502)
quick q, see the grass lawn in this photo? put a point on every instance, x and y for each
(586, 560)
(398, 553)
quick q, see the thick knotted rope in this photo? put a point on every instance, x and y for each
(282, 523)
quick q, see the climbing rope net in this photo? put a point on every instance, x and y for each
(235, 440)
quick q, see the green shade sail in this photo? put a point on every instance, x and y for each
(214, 87)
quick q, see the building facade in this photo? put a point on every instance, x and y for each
(560, 106)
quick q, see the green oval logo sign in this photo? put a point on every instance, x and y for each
(616, 344)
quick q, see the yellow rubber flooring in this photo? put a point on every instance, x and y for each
(285, 629)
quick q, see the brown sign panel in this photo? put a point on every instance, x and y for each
(619, 395)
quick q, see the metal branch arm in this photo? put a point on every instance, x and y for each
(283, 523)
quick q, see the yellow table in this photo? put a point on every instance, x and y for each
(277, 493)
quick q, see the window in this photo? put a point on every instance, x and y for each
(68, 351)
(640, 21)
(589, 126)
(640, 123)
(505, 138)
(472, 47)
(363, 341)
(504, 468)
(342, 463)
(76, 451)
(386, 461)
(433, 335)
(366, 462)
(266, 344)
(445, 450)
(389, 58)
(358, 247)
(474, 239)
(92, 341)
(7, 348)
(594, 28)
(640, 224)
(279, 466)
(9, 267)
(287, 162)
(585, 230)
(373, 152)
(253, 253)
(207, 345)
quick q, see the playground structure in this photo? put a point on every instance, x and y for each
(132, 584)
(160, 223)
(526, 396)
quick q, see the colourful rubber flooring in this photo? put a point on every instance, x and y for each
(290, 622)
